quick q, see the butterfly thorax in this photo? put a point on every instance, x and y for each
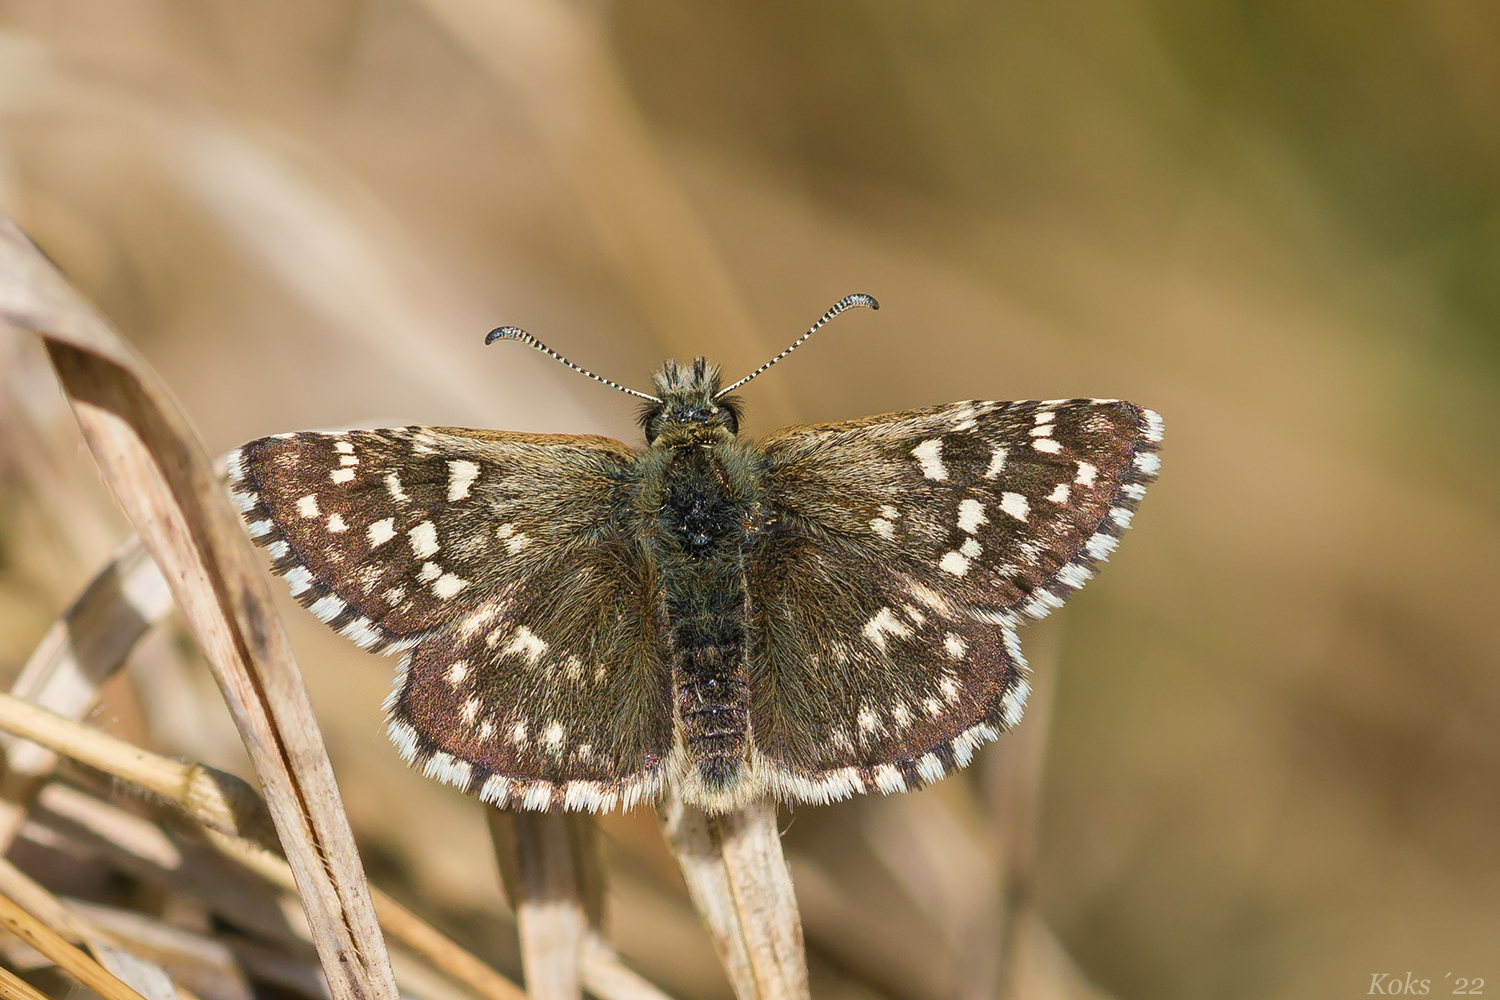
(705, 500)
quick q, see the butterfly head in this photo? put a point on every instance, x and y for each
(690, 404)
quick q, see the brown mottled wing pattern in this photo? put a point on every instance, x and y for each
(508, 571)
(896, 558)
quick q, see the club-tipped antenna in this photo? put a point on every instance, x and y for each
(516, 333)
(846, 303)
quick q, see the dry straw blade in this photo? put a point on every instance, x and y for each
(237, 821)
(740, 883)
(13, 987)
(68, 958)
(160, 474)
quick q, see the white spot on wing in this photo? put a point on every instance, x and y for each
(1153, 427)
(1015, 505)
(308, 506)
(528, 644)
(457, 672)
(1059, 495)
(448, 585)
(381, 532)
(997, 463)
(393, 487)
(448, 769)
(1086, 474)
(884, 621)
(514, 540)
(970, 549)
(955, 563)
(336, 523)
(970, 515)
(299, 578)
(362, 631)
(461, 475)
(929, 598)
(430, 571)
(888, 779)
(343, 476)
(495, 790)
(950, 689)
(1101, 544)
(1047, 445)
(930, 768)
(883, 528)
(929, 454)
(405, 738)
(1148, 462)
(553, 736)
(955, 646)
(1013, 703)
(423, 539)
(1074, 575)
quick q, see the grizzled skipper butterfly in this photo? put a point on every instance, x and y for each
(826, 611)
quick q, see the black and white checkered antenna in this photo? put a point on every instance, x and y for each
(516, 333)
(842, 305)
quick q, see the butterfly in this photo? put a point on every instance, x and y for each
(827, 611)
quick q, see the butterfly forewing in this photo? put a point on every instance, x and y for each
(513, 564)
(896, 557)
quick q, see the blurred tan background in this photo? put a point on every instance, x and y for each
(1272, 762)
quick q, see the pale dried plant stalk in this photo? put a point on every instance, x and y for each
(538, 856)
(550, 870)
(32, 906)
(68, 958)
(237, 822)
(13, 987)
(78, 654)
(160, 474)
(739, 881)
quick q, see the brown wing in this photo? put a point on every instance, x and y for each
(508, 568)
(899, 555)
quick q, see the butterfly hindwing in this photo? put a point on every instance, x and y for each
(550, 693)
(510, 568)
(897, 557)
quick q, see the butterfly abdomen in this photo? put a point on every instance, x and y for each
(700, 544)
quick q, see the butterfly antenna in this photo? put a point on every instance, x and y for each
(516, 333)
(842, 305)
